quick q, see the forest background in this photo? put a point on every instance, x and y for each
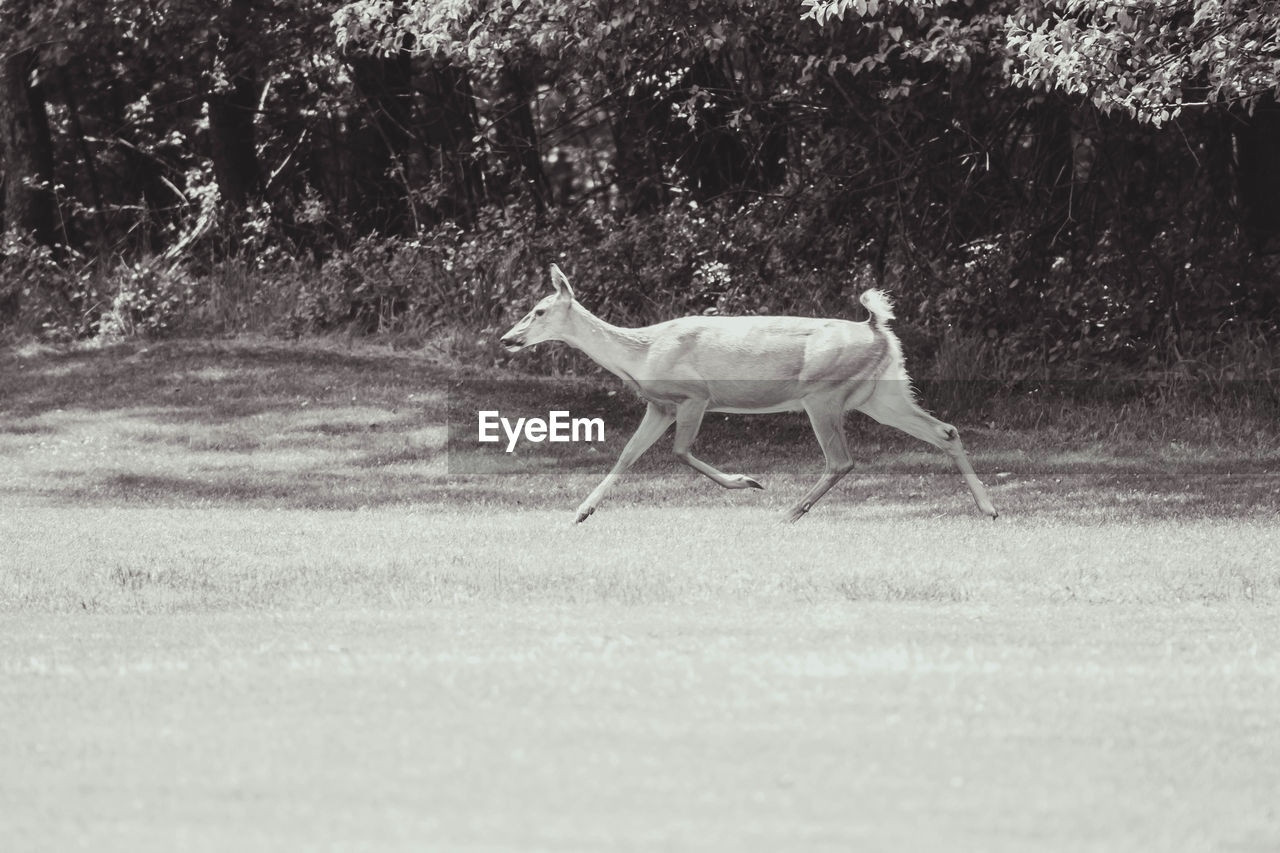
(1057, 189)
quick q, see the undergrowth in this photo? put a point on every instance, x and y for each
(970, 321)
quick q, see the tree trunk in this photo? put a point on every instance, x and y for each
(637, 122)
(1258, 175)
(516, 140)
(139, 184)
(449, 129)
(380, 149)
(715, 162)
(96, 221)
(232, 108)
(26, 151)
(232, 146)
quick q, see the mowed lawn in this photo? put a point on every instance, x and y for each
(250, 600)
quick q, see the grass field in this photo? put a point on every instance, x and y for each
(249, 602)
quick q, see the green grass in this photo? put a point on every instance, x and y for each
(251, 602)
(143, 559)
(466, 726)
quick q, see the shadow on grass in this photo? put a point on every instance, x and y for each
(205, 381)
(267, 425)
(310, 490)
(1106, 492)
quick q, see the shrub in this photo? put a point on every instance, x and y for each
(998, 306)
(145, 299)
(40, 292)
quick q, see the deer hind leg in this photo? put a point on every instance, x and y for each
(652, 426)
(688, 422)
(827, 418)
(891, 404)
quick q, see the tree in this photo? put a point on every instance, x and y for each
(232, 98)
(26, 147)
(1156, 61)
(1151, 60)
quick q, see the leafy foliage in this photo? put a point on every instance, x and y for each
(1152, 60)
(403, 166)
(822, 11)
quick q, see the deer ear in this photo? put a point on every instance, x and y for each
(561, 283)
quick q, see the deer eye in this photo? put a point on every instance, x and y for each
(539, 312)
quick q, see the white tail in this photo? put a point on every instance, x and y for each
(687, 367)
(879, 305)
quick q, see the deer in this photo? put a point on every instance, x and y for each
(687, 367)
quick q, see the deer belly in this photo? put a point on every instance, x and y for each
(747, 396)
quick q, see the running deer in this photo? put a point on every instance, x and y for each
(687, 367)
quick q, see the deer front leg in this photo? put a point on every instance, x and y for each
(688, 422)
(827, 418)
(652, 426)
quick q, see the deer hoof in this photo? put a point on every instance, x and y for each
(584, 514)
(752, 484)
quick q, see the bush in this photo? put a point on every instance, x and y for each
(41, 294)
(389, 285)
(997, 306)
(147, 300)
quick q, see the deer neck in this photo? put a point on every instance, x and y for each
(619, 351)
